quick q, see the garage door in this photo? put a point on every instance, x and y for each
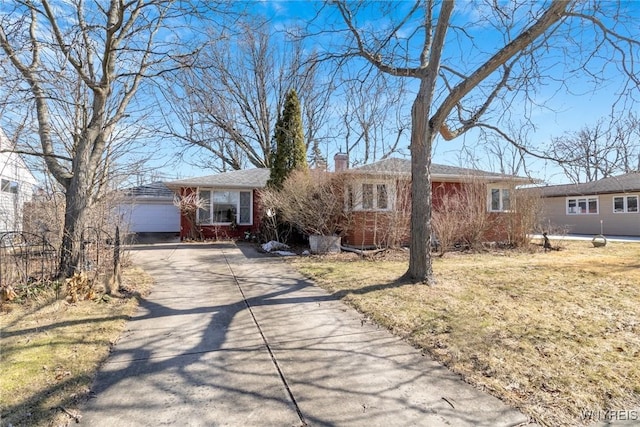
(152, 218)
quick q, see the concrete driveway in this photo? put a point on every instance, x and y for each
(229, 337)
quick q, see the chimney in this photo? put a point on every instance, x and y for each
(341, 162)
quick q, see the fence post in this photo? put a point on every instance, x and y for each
(116, 280)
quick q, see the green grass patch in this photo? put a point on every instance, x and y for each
(51, 349)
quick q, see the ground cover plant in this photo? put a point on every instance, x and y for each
(555, 334)
(51, 349)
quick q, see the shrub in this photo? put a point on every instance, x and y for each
(310, 200)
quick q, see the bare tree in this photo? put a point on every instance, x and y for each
(373, 122)
(490, 151)
(470, 68)
(228, 103)
(79, 65)
(606, 148)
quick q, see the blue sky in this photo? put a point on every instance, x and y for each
(558, 111)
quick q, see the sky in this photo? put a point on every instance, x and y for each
(557, 111)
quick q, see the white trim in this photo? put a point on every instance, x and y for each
(237, 208)
(625, 204)
(587, 200)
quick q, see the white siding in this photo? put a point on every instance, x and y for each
(13, 169)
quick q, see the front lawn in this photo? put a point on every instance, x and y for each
(556, 334)
(50, 350)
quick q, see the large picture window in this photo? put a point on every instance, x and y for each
(582, 206)
(225, 207)
(625, 204)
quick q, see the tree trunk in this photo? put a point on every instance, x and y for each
(420, 269)
(77, 204)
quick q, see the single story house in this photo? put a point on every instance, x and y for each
(231, 206)
(17, 185)
(379, 196)
(148, 210)
(610, 205)
(376, 194)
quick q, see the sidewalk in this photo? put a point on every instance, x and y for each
(230, 337)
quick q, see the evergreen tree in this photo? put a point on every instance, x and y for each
(289, 152)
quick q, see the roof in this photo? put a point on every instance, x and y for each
(153, 190)
(257, 178)
(246, 178)
(397, 166)
(628, 182)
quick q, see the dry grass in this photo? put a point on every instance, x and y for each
(50, 351)
(554, 334)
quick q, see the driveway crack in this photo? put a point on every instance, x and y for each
(274, 360)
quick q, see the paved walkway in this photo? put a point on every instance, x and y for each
(232, 338)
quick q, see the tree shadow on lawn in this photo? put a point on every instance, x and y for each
(201, 356)
(186, 353)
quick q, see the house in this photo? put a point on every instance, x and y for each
(230, 199)
(149, 211)
(610, 204)
(378, 198)
(16, 186)
(376, 195)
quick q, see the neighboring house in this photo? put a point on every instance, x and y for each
(611, 203)
(149, 210)
(231, 203)
(379, 192)
(16, 187)
(375, 195)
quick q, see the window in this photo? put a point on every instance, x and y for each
(382, 196)
(367, 196)
(625, 204)
(225, 207)
(499, 199)
(204, 213)
(245, 208)
(9, 186)
(350, 204)
(373, 197)
(582, 206)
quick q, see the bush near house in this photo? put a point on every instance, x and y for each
(461, 218)
(310, 200)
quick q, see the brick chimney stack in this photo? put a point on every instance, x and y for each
(341, 162)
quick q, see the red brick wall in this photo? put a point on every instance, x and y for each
(373, 228)
(224, 232)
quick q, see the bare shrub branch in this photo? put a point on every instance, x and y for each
(313, 201)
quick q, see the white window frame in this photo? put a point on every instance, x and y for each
(355, 194)
(587, 200)
(237, 207)
(501, 198)
(625, 203)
